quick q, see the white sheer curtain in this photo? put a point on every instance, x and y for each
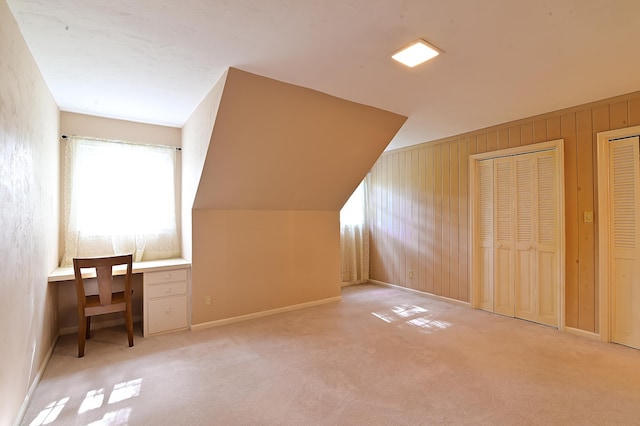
(119, 198)
(354, 237)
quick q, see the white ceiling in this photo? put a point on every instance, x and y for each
(154, 60)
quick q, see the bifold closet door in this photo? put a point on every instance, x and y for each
(624, 184)
(547, 238)
(525, 255)
(537, 240)
(484, 255)
(517, 259)
(503, 235)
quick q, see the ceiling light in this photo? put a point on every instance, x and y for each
(416, 53)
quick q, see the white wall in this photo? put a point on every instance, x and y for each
(29, 168)
(196, 135)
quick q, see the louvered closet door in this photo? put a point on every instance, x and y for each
(518, 221)
(484, 256)
(624, 181)
(503, 233)
(547, 240)
(525, 254)
(537, 241)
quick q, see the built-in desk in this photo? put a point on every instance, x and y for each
(165, 292)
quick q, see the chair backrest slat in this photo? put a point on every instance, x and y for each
(105, 283)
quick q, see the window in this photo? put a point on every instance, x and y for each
(119, 198)
(354, 237)
(352, 213)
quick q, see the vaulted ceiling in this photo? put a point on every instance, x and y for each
(154, 61)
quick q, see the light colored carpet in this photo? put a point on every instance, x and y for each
(382, 356)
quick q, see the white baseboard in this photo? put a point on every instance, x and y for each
(97, 325)
(35, 383)
(347, 283)
(217, 323)
(444, 299)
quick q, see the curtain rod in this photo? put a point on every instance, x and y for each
(177, 148)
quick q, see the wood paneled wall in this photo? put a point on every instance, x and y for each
(419, 204)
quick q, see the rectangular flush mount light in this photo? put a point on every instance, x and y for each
(416, 53)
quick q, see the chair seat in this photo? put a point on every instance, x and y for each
(94, 299)
(94, 307)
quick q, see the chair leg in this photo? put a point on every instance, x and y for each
(82, 333)
(88, 328)
(129, 321)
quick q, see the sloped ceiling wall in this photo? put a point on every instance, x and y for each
(277, 146)
(281, 162)
(196, 136)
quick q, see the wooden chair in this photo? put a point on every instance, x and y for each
(106, 301)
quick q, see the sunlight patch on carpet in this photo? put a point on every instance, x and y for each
(404, 311)
(428, 323)
(50, 413)
(125, 390)
(92, 400)
(114, 418)
(413, 315)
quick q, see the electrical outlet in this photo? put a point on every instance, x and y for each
(207, 300)
(588, 217)
(411, 273)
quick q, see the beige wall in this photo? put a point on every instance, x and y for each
(251, 261)
(420, 203)
(29, 120)
(73, 124)
(277, 146)
(281, 161)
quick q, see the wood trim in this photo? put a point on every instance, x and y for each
(541, 146)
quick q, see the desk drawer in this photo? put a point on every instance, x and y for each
(166, 276)
(167, 314)
(163, 290)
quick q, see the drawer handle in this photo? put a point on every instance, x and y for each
(167, 277)
(167, 311)
(168, 290)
